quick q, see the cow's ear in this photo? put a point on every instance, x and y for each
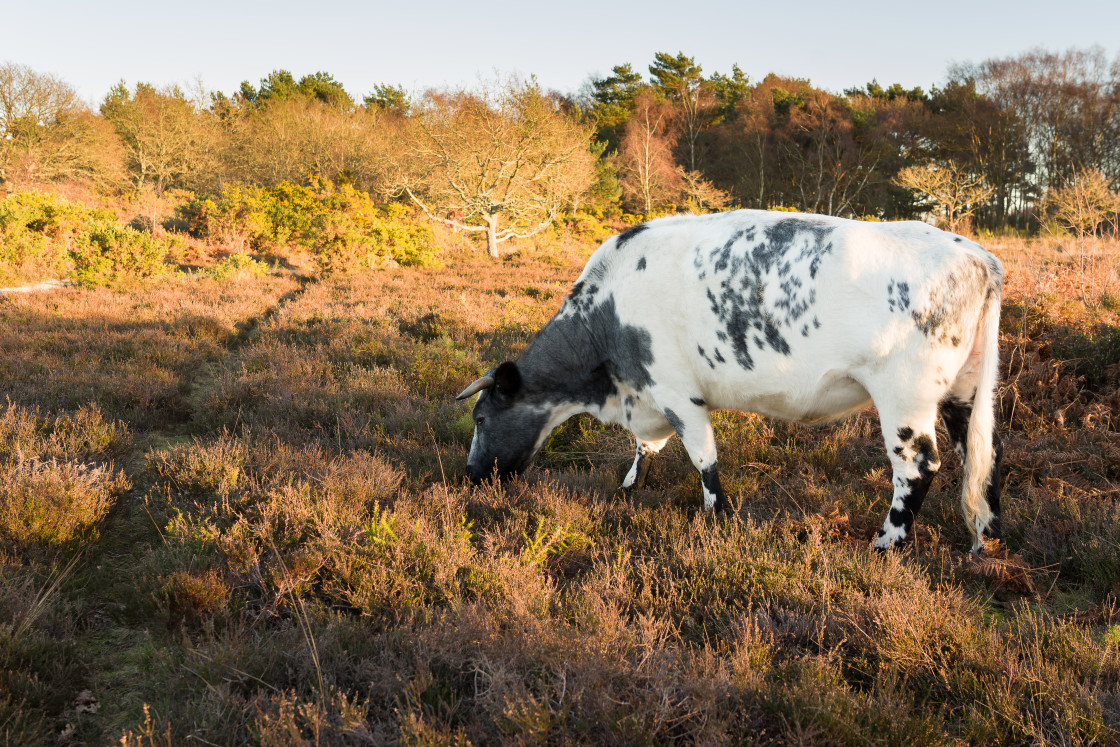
(507, 379)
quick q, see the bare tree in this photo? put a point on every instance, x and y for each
(1085, 203)
(825, 161)
(291, 139)
(166, 138)
(1068, 103)
(956, 191)
(504, 160)
(48, 134)
(700, 195)
(647, 172)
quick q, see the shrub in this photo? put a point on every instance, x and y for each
(37, 231)
(342, 227)
(238, 267)
(49, 494)
(111, 251)
(231, 217)
(43, 235)
(53, 503)
(82, 434)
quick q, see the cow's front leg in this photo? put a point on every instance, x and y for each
(636, 477)
(692, 424)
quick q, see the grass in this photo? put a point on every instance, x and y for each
(234, 514)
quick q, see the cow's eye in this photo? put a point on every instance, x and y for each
(479, 419)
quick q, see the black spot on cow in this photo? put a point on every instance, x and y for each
(704, 355)
(508, 430)
(675, 421)
(760, 284)
(697, 401)
(955, 414)
(642, 263)
(898, 295)
(957, 239)
(629, 234)
(787, 232)
(719, 356)
(900, 452)
(950, 296)
(905, 433)
(709, 478)
(925, 454)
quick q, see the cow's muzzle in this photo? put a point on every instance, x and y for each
(477, 474)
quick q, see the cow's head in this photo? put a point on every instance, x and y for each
(510, 424)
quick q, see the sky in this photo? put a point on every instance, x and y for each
(837, 45)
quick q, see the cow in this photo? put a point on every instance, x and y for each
(806, 318)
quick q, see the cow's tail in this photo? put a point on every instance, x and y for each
(981, 454)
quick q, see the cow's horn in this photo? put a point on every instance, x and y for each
(484, 383)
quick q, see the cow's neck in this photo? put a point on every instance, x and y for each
(568, 363)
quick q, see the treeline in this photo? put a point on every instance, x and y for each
(997, 144)
(1007, 143)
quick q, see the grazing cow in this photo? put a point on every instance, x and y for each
(801, 317)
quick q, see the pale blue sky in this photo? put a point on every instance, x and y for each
(835, 44)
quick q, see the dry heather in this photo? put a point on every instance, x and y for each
(275, 545)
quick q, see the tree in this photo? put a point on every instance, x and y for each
(167, 139)
(699, 194)
(893, 92)
(297, 138)
(1068, 104)
(387, 98)
(1085, 203)
(48, 134)
(281, 85)
(730, 91)
(787, 143)
(503, 160)
(974, 131)
(647, 171)
(956, 191)
(679, 79)
(612, 103)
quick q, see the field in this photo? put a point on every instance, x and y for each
(233, 512)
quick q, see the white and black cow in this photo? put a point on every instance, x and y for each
(802, 317)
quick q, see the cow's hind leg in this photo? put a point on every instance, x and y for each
(636, 477)
(912, 446)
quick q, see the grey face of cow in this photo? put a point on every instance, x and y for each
(507, 425)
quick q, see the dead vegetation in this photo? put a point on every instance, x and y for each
(276, 545)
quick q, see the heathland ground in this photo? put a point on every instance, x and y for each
(233, 512)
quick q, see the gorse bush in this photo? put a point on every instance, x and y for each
(37, 231)
(238, 266)
(111, 251)
(43, 235)
(342, 227)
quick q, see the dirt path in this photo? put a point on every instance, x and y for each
(43, 286)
